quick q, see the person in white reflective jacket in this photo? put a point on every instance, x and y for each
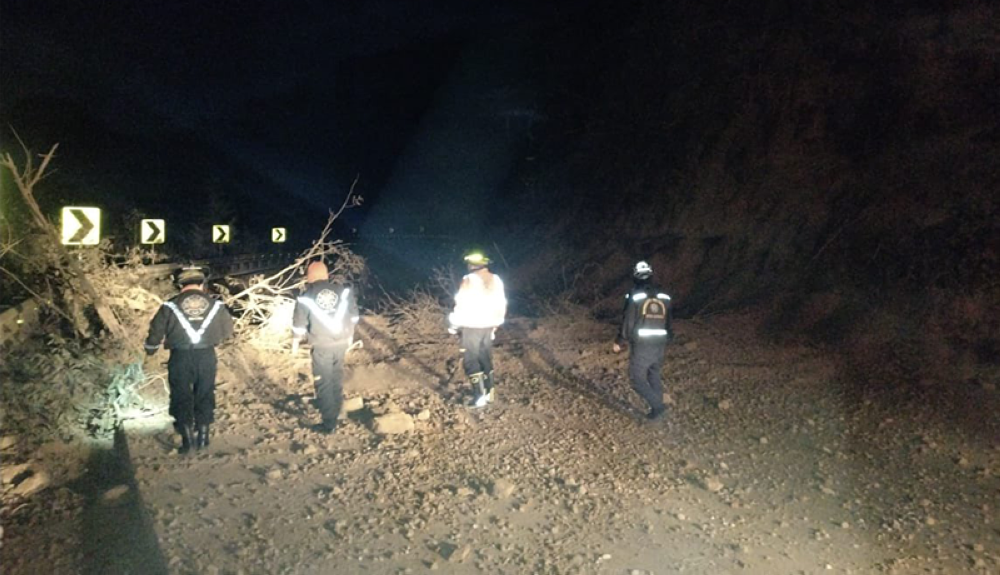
(326, 313)
(645, 330)
(480, 307)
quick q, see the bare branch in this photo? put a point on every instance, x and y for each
(38, 297)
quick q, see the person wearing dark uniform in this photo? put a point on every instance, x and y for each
(191, 324)
(327, 313)
(645, 330)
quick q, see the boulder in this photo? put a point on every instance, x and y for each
(393, 423)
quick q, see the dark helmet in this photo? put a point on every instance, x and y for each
(189, 275)
(642, 271)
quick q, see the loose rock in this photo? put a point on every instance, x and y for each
(393, 423)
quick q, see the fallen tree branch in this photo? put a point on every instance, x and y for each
(25, 178)
(38, 297)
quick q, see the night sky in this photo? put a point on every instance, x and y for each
(426, 103)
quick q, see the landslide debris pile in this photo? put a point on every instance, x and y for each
(766, 465)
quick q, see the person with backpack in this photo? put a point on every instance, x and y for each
(190, 325)
(326, 313)
(480, 307)
(645, 330)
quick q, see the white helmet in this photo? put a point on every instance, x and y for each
(642, 271)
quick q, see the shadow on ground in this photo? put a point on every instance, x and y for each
(117, 536)
(550, 368)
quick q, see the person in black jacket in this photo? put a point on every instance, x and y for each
(645, 330)
(326, 312)
(192, 323)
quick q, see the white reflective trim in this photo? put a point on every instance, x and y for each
(646, 332)
(355, 319)
(639, 296)
(299, 330)
(335, 324)
(342, 308)
(662, 296)
(194, 336)
(147, 346)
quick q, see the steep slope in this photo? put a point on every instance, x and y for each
(836, 167)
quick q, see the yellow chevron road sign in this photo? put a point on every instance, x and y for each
(152, 232)
(220, 234)
(81, 226)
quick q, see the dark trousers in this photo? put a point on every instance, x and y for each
(478, 345)
(328, 376)
(644, 364)
(191, 375)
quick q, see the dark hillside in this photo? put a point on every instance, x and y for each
(839, 169)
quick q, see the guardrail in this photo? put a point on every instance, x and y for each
(229, 266)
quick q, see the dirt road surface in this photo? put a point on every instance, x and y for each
(770, 462)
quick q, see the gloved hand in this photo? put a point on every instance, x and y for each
(616, 348)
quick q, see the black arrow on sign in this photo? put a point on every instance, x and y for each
(222, 235)
(85, 226)
(279, 235)
(156, 233)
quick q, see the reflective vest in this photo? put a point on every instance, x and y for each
(649, 325)
(335, 324)
(194, 334)
(476, 305)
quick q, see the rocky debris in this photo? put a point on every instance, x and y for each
(393, 423)
(558, 476)
(711, 483)
(502, 488)
(24, 479)
(115, 495)
(8, 442)
(454, 553)
(353, 404)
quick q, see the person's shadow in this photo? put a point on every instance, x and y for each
(117, 536)
(440, 377)
(552, 371)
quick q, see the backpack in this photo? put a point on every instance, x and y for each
(652, 316)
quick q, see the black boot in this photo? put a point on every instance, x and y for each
(202, 440)
(187, 434)
(657, 413)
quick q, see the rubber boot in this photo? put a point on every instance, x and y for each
(478, 381)
(202, 441)
(187, 435)
(491, 387)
